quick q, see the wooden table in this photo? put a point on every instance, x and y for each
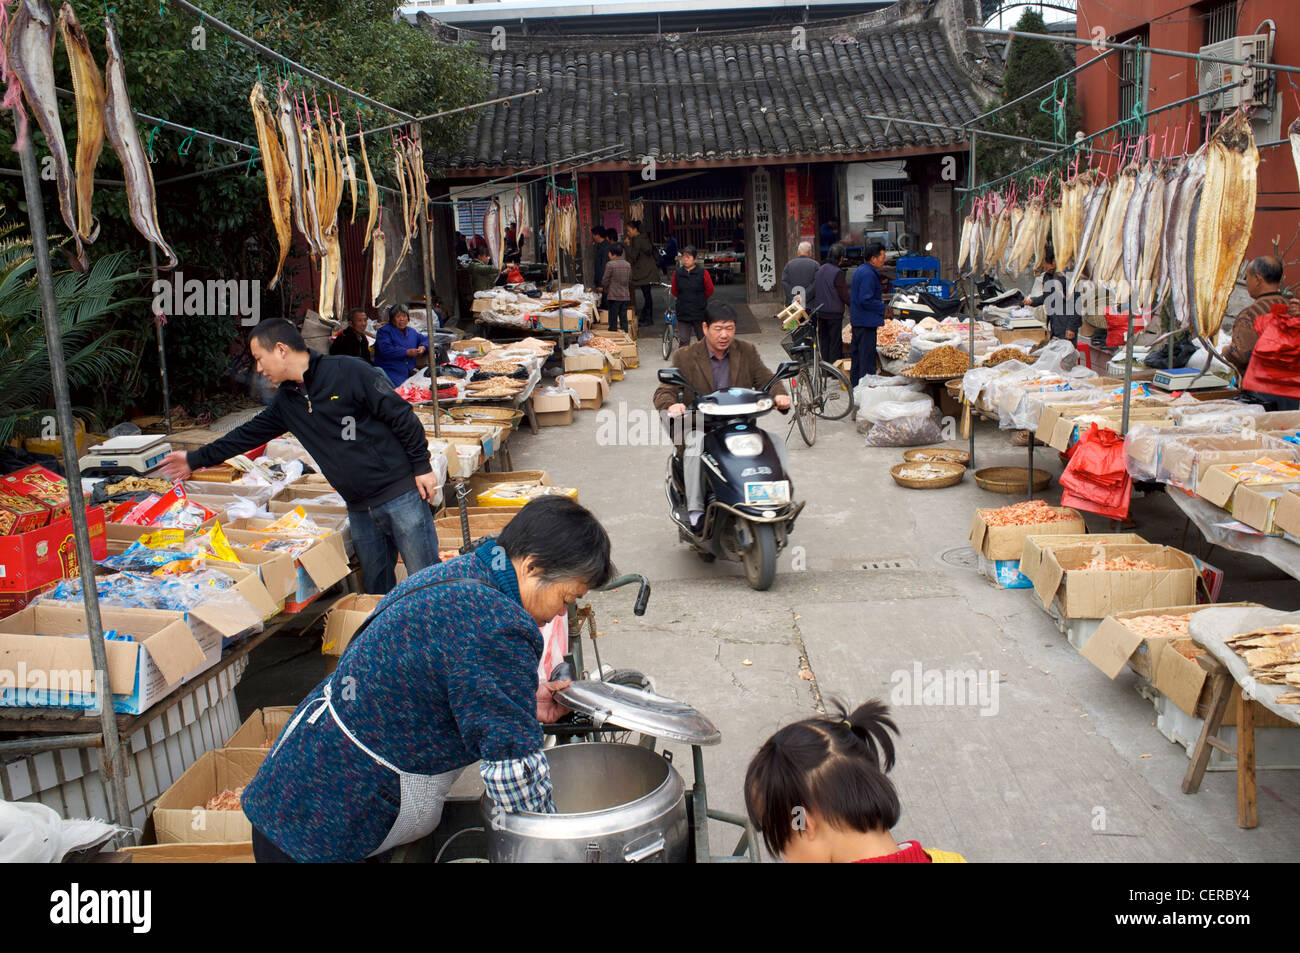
(1226, 668)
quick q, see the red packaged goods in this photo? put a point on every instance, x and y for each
(42, 486)
(20, 514)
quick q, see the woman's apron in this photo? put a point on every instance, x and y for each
(423, 795)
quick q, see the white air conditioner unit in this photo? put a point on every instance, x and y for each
(1213, 75)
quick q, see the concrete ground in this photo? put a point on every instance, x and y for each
(1067, 765)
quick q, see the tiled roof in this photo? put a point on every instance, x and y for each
(735, 95)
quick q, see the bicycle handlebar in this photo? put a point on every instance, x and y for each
(642, 596)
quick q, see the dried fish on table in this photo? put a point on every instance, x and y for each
(88, 85)
(279, 189)
(1225, 220)
(125, 139)
(31, 57)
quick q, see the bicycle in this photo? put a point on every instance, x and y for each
(670, 326)
(820, 389)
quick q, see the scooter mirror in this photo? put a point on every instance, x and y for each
(673, 376)
(786, 370)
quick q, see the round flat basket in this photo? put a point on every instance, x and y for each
(945, 474)
(937, 455)
(497, 415)
(1010, 479)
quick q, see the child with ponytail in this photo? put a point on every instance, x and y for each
(817, 791)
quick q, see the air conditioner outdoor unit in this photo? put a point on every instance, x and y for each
(1213, 75)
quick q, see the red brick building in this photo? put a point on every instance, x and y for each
(1107, 90)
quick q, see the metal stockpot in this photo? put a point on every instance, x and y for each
(617, 803)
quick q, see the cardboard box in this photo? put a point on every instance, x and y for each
(237, 853)
(1286, 516)
(344, 618)
(1256, 504)
(1037, 335)
(1277, 420)
(34, 561)
(261, 728)
(449, 530)
(180, 815)
(1064, 433)
(592, 389)
(1185, 462)
(1008, 542)
(584, 362)
(557, 321)
(43, 666)
(1036, 547)
(1095, 594)
(480, 482)
(1115, 645)
(1184, 683)
(323, 564)
(554, 410)
(19, 514)
(41, 486)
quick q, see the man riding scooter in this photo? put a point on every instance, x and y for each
(716, 363)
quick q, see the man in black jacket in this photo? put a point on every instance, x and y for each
(352, 340)
(366, 440)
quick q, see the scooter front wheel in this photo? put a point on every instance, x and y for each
(760, 557)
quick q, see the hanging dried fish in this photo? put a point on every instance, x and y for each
(31, 57)
(278, 186)
(292, 145)
(1180, 238)
(492, 232)
(88, 85)
(1095, 208)
(378, 246)
(1293, 133)
(124, 137)
(372, 191)
(349, 168)
(1226, 218)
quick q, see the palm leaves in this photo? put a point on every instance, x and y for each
(87, 306)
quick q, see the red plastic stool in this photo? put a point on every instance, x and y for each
(1086, 351)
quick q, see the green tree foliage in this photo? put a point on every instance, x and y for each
(1030, 64)
(96, 355)
(189, 73)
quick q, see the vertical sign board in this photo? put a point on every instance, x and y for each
(791, 210)
(584, 224)
(807, 211)
(764, 255)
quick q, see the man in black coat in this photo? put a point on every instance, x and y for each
(352, 340)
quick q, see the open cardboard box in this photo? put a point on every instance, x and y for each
(237, 853)
(1184, 683)
(449, 530)
(43, 666)
(1257, 505)
(592, 389)
(1064, 430)
(323, 564)
(1036, 547)
(180, 814)
(261, 728)
(1286, 516)
(1095, 594)
(554, 410)
(1186, 462)
(1115, 645)
(1007, 542)
(344, 618)
(584, 362)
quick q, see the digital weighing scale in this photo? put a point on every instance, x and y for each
(1187, 378)
(126, 455)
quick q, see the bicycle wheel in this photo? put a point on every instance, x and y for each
(668, 341)
(834, 400)
(803, 407)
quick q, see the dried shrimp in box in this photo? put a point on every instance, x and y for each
(1029, 513)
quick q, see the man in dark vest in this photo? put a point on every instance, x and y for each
(692, 286)
(830, 298)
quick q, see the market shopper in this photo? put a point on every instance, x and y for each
(618, 289)
(1264, 284)
(830, 297)
(1273, 375)
(599, 259)
(716, 363)
(365, 439)
(798, 274)
(645, 270)
(442, 674)
(693, 286)
(352, 341)
(397, 346)
(668, 257)
(1063, 317)
(866, 312)
(817, 792)
(483, 275)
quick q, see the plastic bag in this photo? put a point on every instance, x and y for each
(1055, 354)
(899, 403)
(867, 397)
(1096, 479)
(923, 344)
(908, 430)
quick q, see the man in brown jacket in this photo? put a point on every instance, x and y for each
(716, 363)
(1263, 282)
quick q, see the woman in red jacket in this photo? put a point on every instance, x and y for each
(817, 793)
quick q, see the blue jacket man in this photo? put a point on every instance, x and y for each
(866, 312)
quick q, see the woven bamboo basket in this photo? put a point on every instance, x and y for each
(937, 455)
(950, 474)
(481, 414)
(1010, 479)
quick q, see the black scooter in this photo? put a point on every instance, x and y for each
(749, 510)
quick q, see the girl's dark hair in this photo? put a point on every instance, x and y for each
(830, 766)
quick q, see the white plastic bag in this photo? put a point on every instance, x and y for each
(885, 406)
(909, 429)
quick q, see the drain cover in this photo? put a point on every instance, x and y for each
(963, 557)
(903, 562)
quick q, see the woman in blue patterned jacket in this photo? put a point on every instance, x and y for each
(442, 674)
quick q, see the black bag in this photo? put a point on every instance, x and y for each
(1183, 350)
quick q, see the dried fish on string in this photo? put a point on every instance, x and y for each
(1225, 220)
(278, 187)
(88, 86)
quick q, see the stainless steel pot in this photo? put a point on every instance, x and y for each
(616, 804)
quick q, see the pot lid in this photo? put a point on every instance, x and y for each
(645, 712)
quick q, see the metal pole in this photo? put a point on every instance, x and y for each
(315, 77)
(417, 133)
(448, 112)
(188, 130)
(162, 350)
(113, 761)
(1032, 92)
(971, 301)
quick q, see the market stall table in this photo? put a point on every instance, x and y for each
(1226, 668)
(1219, 529)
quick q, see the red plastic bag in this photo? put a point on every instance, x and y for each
(1275, 362)
(1096, 479)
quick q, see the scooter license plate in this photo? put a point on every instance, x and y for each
(758, 494)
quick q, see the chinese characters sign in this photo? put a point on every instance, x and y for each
(764, 248)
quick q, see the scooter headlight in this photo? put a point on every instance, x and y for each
(744, 444)
(765, 403)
